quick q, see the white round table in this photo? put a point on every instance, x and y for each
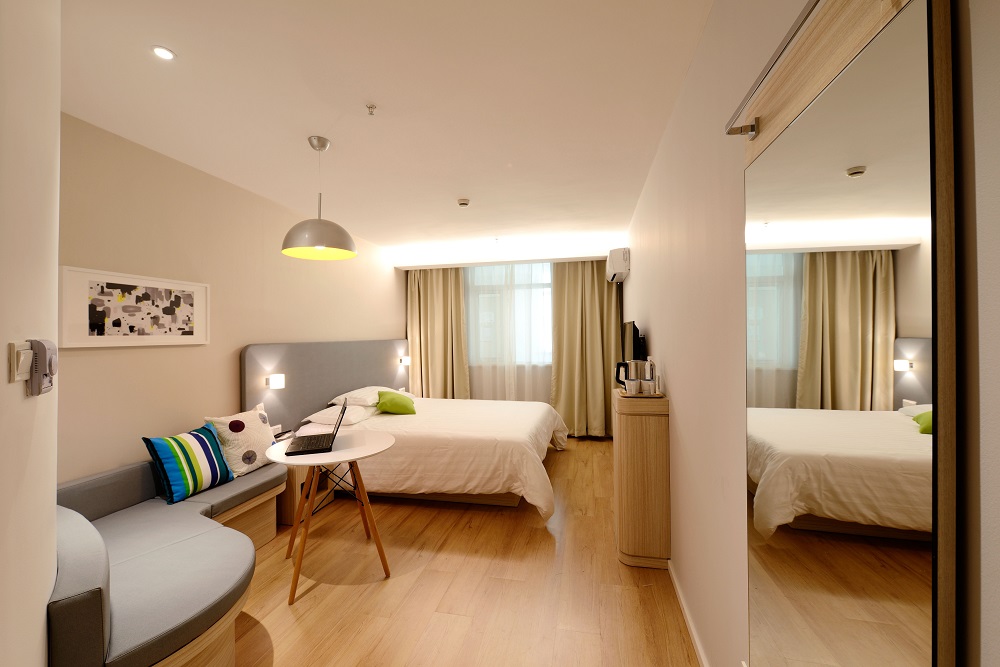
(349, 447)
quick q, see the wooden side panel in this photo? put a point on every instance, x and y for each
(837, 32)
(642, 481)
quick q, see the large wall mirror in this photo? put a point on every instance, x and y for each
(840, 360)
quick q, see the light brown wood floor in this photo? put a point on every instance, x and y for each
(825, 599)
(470, 585)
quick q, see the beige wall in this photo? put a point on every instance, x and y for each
(980, 448)
(128, 209)
(913, 288)
(29, 228)
(687, 293)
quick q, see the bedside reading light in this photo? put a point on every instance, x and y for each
(275, 381)
(902, 365)
(404, 361)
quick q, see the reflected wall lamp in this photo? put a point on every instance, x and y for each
(317, 238)
(404, 361)
(902, 365)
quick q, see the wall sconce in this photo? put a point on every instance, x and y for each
(275, 381)
(404, 361)
(902, 365)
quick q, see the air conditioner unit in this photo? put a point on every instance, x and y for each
(618, 264)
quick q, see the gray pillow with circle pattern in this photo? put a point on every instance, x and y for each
(244, 437)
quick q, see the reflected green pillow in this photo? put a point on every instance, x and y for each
(395, 403)
(926, 422)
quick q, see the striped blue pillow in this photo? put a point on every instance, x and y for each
(189, 462)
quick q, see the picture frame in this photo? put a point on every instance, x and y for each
(108, 309)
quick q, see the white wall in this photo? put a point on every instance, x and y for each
(687, 293)
(29, 228)
(128, 209)
(982, 171)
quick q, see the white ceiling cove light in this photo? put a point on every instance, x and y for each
(164, 53)
(830, 235)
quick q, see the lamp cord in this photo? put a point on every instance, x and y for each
(319, 183)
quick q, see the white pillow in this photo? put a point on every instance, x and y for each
(244, 438)
(914, 410)
(364, 396)
(353, 415)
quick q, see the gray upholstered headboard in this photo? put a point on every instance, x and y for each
(917, 384)
(315, 373)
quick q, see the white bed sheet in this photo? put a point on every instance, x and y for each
(464, 446)
(867, 467)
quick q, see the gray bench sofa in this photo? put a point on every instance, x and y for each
(140, 581)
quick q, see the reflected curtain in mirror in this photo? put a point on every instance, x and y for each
(848, 330)
(586, 338)
(774, 307)
(435, 329)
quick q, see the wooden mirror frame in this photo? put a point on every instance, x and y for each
(835, 34)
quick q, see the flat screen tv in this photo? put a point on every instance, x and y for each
(633, 344)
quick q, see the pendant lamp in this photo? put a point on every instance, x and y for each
(317, 238)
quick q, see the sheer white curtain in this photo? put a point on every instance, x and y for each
(774, 315)
(509, 325)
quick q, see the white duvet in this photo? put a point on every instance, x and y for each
(460, 446)
(867, 467)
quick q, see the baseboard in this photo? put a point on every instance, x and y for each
(695, 639)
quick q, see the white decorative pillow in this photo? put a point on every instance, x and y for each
(353, 415)
(364, 396)
(244, 437)
(914, 410)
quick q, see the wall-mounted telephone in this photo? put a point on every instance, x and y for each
(43, 366)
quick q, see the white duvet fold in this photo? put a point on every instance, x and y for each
(867, 467)
(460, 446)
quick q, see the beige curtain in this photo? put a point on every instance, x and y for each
(848, 330)
(586, 337)
(435, 329)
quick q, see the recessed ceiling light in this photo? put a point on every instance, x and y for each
(164, 53)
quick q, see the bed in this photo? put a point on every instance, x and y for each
(451, 449)
(464, 447)
(870, 468)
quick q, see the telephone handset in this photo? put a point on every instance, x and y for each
(43, 366)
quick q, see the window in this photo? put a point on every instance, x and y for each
(774, 308)
(509, 314)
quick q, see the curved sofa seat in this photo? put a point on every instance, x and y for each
(139, 580)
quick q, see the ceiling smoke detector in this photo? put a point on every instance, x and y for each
(856, 172)
(463, 203)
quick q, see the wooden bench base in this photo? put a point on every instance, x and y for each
(256, 518)
(216, 647)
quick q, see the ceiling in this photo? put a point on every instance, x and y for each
(874, 114)
(546, 115)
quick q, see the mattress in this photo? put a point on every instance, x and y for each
(464, 447)
(872, 468)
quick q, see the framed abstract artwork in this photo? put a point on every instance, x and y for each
(105, 309)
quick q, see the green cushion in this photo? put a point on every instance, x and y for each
(926, 421)
(394, 403)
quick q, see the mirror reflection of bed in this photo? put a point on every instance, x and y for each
(839, 474)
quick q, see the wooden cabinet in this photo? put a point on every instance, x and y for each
(642, 480)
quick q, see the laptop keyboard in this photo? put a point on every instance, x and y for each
(311, 443)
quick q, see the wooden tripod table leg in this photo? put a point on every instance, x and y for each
(361, 506)
(363, 495)
(305, 535)
(298, 509)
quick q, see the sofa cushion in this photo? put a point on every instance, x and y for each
(245, 437)
(243, 488)
(108, 492)
(189, 463)
(79, 609)
(149, 526)
(162, 599)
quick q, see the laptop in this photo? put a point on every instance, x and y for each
(316, 444)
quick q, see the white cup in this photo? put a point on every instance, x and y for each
(648, 386)
(632, 387)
